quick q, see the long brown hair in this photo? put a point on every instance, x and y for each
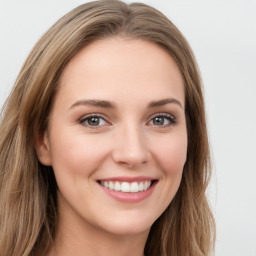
(28, 189)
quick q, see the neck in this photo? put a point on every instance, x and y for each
(94, 245)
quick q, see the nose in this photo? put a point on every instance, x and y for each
(130, 148)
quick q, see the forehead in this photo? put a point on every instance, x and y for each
(115, 66)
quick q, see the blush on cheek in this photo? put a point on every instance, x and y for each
(173, 157)
(79, 156)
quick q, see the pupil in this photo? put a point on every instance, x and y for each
(159, 121)
(93, 121)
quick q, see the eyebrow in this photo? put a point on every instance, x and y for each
(163, 102)
(95, 103)
(111, 105)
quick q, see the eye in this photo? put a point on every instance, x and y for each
(162, 120)
(93, 121)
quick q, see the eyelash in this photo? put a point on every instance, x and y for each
(171, 120)
(85, 119)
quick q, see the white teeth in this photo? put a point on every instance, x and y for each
(111, 185)
(127, 187)
(134, 187)
(117, 186)
(105, 184)
(141, 186)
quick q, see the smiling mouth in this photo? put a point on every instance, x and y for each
(127, 187)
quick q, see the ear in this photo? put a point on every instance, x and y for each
(43, 149)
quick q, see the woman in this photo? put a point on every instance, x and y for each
(104, 147)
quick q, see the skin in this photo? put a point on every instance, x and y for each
(127, 141)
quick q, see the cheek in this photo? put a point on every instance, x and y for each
(171, 154)
(74, 154)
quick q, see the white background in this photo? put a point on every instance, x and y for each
(222, 34)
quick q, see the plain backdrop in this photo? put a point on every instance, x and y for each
(222, 34)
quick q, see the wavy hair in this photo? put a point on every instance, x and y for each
(28, 203)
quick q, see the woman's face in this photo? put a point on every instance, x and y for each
(117, 138)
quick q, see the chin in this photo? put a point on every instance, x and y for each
(129, 225)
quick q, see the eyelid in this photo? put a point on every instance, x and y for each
(162, 114)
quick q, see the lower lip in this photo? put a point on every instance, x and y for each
(126, 197)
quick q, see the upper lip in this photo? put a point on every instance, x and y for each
(129, 179)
